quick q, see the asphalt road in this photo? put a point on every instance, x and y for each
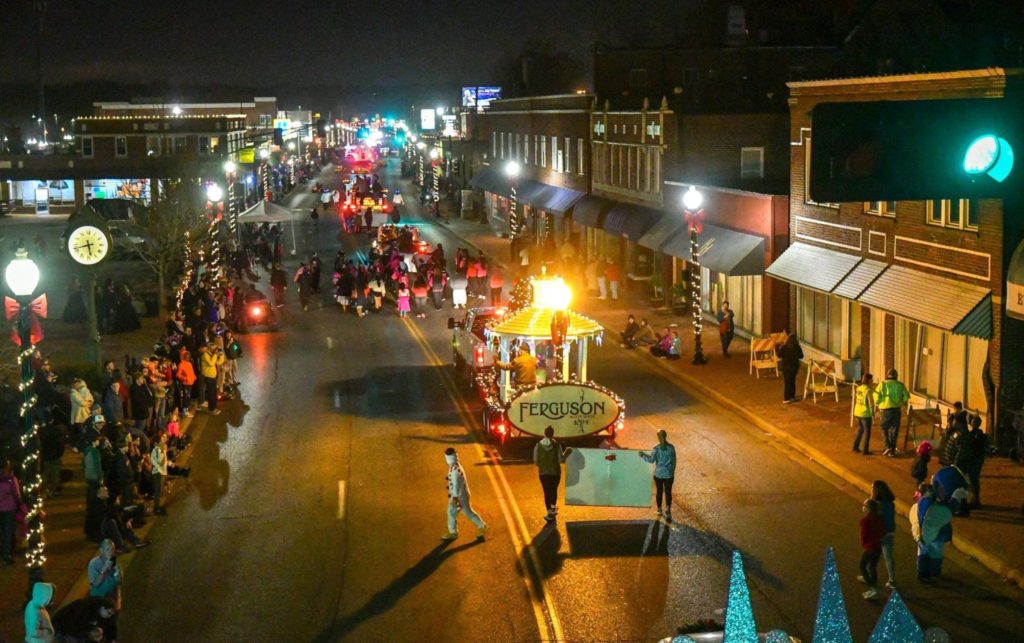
(315, 509)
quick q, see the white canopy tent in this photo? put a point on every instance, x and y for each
(267, 212)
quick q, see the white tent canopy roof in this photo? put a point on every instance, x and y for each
(267, 212)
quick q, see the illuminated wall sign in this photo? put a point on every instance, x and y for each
(428, 119)
(469, 97)
(484, 96)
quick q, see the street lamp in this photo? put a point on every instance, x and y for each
(512, 172)
(694, 215)
(214, 193)
(22, 276)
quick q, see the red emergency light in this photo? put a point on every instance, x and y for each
(478, 354)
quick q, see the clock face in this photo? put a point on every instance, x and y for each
(88, 245)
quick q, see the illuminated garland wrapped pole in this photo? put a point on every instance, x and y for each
(694, 215)
(229, 172)
(514, 224)
(22, 276)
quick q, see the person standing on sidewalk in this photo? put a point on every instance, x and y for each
(886, 499)
(614, 276)
(864, 411)
(872, 529)
(51, 451)
(726, 327)
(548, 455)
(81, 404)
(186, 376)
(158, 456)
(977, 445)
(790, 356)
(663, 456)
(92, 467)
(232, 353)
(10, 502)
(891, 395)
(211, 360)
(458, 497)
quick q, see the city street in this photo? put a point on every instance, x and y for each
(315, 509)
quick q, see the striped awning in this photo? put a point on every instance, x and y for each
(860, 278)
(819, 268)
(949, 304)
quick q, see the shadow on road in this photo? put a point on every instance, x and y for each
(388, 597)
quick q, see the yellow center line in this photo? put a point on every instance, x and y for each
(542, 603)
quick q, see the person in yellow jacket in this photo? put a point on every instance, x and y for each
(210, 360)
(864, 411)
(891, 395)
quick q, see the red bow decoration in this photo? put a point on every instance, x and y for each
(694, 220)
(37, 311)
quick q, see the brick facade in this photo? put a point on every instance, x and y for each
(976, 256)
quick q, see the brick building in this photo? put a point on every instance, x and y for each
(548, 137)
(258, 112)
(913, 285)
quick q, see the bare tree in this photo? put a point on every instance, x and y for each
(178, 215)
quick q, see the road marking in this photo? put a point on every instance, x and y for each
(542, 603)
(341, 499)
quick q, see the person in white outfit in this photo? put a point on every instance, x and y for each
(459, 285)
(458, 497)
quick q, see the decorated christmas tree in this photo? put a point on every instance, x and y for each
(831, 624)
(896, 624)
(521, 295)
(776, 636)
(739, 615)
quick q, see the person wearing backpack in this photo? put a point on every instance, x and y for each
(548, 455)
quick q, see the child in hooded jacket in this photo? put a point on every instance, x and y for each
(919, 470)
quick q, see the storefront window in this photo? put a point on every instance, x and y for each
(950, 368)
(820, 320)
(742, 293)
(854, 339)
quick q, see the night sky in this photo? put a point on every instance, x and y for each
(258, 42)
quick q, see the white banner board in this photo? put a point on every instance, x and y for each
(607, 478)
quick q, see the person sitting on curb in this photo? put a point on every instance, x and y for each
(626, 336)
(644, 335)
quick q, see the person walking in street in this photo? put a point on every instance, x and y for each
(726, 327)
(211, 360)
(663, 456)
(158, 457)
(278, 284)
(303, 278)
(38, 626)
(790, 355)
(886, 500)
(10, 503)
(458, 498)
(232, 353)
(864, 411)
(891, 395)
(549, 455)
(872, 530)
(460, 287)
(105, 574)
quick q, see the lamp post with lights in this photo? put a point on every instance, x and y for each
(229, 174)
(692, 201)
(265, 169)
(512, 172)
(22, 276)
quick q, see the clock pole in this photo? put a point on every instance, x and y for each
(92, 342)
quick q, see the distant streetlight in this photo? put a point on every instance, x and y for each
(439, 110)
(230, 167)
(433, 153)
(692, 200)
(176, 110)
(214, 193)
(291, 146)
(421, 145)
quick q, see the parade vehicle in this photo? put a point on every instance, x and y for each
(257, 311)
(407, 238)
(563, 397)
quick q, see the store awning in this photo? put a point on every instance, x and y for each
(958, 307)
(860, 278)
(490, 180)
(590, 211)
(667, 227)
(552, 198)
(723, 250)
(805, 265)
(630, 221)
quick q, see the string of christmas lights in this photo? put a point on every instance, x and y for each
(186, 274)
(33, 481)
(695, 311)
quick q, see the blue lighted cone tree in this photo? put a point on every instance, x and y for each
(776, 636)
(831, 624)
(739, 615)
(896, 625)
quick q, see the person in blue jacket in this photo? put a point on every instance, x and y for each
(663, 456)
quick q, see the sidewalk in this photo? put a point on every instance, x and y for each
(822, 431)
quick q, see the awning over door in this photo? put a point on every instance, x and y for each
(552, 198)
(961, 308)
(489, 180)
(590, 211)
(630, 221)
(860, 278)
(805, 265)
(667, 227)
(725, 251)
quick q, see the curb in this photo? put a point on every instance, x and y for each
(964, 545)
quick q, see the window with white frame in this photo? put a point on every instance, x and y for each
(820, 320)
(180, 144)
(880, 208)
(556, 158)
(87, 148)
(526, 149)
(518, 154)
(959, 214)
(807, 178)
(567, 145)
(579, 156)
(543, 151)
(120, 146)
(494, 144)
(152, 146)
(752, 163)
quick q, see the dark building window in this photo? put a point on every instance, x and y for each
(638, 79)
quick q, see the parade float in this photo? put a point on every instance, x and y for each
(563, 397)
